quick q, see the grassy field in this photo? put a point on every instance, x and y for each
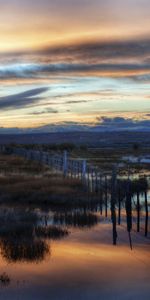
(106, 158)
(102, 158)
(28, 182)
(23, 181)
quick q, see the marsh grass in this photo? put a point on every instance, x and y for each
(38, 190)
(28, 182)
(106, 158)
(15, 164)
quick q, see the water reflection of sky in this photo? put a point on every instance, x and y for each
(69, 253)
(84, 265)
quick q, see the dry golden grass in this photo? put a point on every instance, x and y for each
(23, 181)
(106, 158)
(14, 164)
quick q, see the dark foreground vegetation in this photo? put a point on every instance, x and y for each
(4, 279)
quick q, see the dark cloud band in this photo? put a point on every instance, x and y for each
(98, 57)
(20, 100)
(44, 70)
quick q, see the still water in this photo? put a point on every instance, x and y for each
(69, 254)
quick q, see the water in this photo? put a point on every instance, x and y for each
(51, 253)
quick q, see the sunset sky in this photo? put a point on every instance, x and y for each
(74, 63)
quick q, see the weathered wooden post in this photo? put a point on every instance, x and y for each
(71, 167)
(96, 182)
(88, 182)
(84, 167)
(92, 179)
(65, 163)
(78, 169)
(74, 169)
(88, 179)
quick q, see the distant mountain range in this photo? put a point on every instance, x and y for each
(106, 124)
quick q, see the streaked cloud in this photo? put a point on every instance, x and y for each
(43, 112)
(128, 59)
(20, 100)
(44, 70)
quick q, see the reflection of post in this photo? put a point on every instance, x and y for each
(113, 209)
(138, 212)
(146, 214)
(65, 164)
(101, 195)
(129, 210)
(106, 195)
(119, 205)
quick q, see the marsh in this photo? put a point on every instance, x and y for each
(59, 250)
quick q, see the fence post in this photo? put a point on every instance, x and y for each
(84, 170)
(65, 163)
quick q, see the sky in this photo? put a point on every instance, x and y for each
(74, 64)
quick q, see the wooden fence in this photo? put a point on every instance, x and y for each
(91, 177)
